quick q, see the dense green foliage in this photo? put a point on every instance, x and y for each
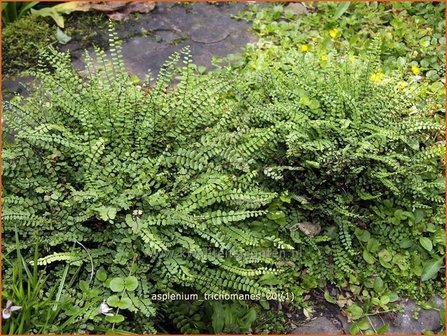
(281, 175)
(135, 179)
(357, 156)
(412, 34)
(22, 41)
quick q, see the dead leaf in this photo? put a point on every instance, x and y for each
(308, 228)
(119, 10)
(105, 6)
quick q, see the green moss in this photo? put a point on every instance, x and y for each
(22, 41)
(25, 38)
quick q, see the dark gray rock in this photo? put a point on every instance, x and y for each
(209, 29)
(297, 8)
(320, 325)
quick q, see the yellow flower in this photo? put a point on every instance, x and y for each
(415, 69)
(377, 77)
(351, 58)
(333, 32)
(401, 85)
(324, 58)
(304, 47)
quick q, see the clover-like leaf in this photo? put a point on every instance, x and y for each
(130, 283)
(115, 318)
(117, 284)
(121, 303)
(113, 301)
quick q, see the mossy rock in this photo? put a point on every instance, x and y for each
(22, 42)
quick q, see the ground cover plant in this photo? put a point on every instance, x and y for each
(274, 179)
(411, 34)
(133, 181)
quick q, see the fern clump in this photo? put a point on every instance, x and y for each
(357, 157)
(267, 183)
(129, 172)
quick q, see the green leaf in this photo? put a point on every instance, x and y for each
(393, 296)
(101, 274)
(121, 284)
(354, 329)
(341, 9)
(384, 300)
(270, 279)
(121, 303)
(406, 243)
(249, 318)
(378, 285)
(115, 319)
(439, 237)
(27, 7)
(130, 283)
(363, 324)
(117, 284)
(373, 245)
(432, 268)
(329, 298)
(49, 11)
(419, 215)
(275, 215)
(264, 304)
(107, 213)
(312, 164)
(426, 243)
(217, 319)
(134, 79)
(368, 257)
(383, 329)
(385, 257)
(362, 235)
(113, 301)
(356, 311)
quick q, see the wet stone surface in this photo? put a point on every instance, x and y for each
(149, 39)
(320, 325)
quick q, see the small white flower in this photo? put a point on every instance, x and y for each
(104, 309)
(6, 313)
(137, 213)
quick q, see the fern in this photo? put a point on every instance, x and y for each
(135, 171)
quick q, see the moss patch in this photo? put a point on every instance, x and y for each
(22, 41)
